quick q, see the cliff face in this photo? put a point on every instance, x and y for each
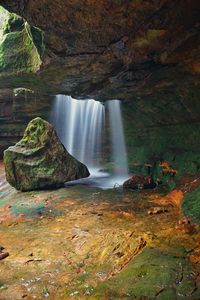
(112, 48)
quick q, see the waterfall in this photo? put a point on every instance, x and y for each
(119, 154)
(79, 124)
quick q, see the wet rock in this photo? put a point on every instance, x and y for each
(3, 255)
(17, 35)
(139, 182)
(39, 160)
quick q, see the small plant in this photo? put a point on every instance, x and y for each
(45, 292)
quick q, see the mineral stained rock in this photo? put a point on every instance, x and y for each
(39, 160)
(139, 182)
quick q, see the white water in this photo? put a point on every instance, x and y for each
(80, 126)
(119, 154)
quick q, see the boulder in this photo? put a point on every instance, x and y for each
(139, 182)
(21, 45)
(39, 160)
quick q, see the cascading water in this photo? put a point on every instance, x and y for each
(119, 154)
(80, 125)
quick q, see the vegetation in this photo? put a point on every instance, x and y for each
(164, 126)
(21, 46)
(191, 204)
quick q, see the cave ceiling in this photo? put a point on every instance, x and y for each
(109, 49)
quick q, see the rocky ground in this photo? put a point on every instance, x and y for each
(85, 243)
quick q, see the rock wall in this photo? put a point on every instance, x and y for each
(165, 125)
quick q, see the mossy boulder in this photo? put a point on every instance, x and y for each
(21, 46)
(13, 23)
(40, 161)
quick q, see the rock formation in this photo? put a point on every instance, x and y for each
(112, 49)
(39, 160)
(21, 45)
(139, 182)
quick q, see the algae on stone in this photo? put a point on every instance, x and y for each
(21, 46)
(39, 160)
(152, 274)
(13, 23)
(3, 16)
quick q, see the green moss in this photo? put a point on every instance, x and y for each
(38, 39)
(22, 91)
(169, 182)
(165, 126)
(152, 274)
(33, 139)
(9, 167)
(21, 46)
(3, 16)
(39, 160)
(13, 23)
(191, 204)
(35, 134)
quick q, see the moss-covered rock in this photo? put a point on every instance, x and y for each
(151, 275)
(39, 160)
(13, 23)
(21, 46)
